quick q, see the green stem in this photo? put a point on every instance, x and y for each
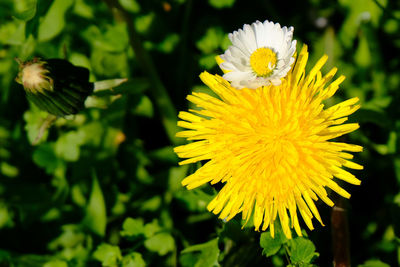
(287, 254)
(159, 93)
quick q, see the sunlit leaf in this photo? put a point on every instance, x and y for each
(151, 204)
(108, 255)
(6, 218)
(26, 9)
(150, 229)
(56, 263)
(133, 259)
(70, 237)
(68, 145)
(8, 169)
(211, 41)
(169, 43)
(201, 255)
(144, 107)
(54, 21)
(130, 5)
(302, 250)
(96, 218)
(194, 200)
(363, 55)
(208, 61)
(143, 23)
(272, 245)
(132, 227)
(84, 10)
(34, 119)
(221, 3)
(161, 243)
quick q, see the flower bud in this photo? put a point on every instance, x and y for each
(55, 85)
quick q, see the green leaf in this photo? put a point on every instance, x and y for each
(108, 255)
(132, 227)
(133, 259)
(25, 9)
(373, 263)
(7, 30)
(5, 219)
(221, 3)
(68, 145)
(130, 5)
(45, 157)
(18, 36)
(152, 228)
(302, 250)
(109, 64)
(161, 243)
(34, 118)
(54, 21)
(71, 236)
(396, 163)
(8, 170)
(116, 38)
(272, 245)
(169, 43)
(194, 200)
(175, 176)
(5, 257)
(151, 204)
(56, 263)
(208, 61)
(27, 48)
(84, 10)
(143, 23)
(96, 218)
(362, 55)
(211, 41)
(144, 107)
(204, 255)
(377, 117)
(165, 154)
(359, 11)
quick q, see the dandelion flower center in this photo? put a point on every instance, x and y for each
(263, 61)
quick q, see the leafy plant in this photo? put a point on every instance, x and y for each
(103, 187)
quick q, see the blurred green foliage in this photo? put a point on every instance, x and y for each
(103, 187)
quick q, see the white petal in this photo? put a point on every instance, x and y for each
(245, 41)
(231, 76)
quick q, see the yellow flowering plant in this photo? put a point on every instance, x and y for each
(273, 147)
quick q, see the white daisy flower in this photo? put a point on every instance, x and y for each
(260, 54)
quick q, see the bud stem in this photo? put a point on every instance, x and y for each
(108, 84)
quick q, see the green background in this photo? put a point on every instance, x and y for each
(103, 187)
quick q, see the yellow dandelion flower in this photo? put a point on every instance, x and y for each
(270, 146)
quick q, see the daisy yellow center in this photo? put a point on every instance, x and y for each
(263, 61)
